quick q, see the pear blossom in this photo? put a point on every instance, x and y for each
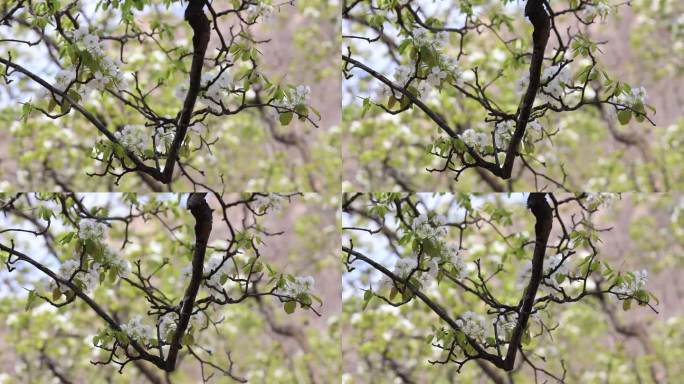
(424, 229)
(534, 127)
(474, 139)
(133, 137)
(601, 9)
(503, 132)
(631, 285)
(436, 76)
(215, 269)
(136, 330)
(404, 266)
(596, 200)
(473, 325)
(630, 99)
(300, 285)
(90, 229)
(272, 201)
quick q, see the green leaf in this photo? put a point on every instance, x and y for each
(31, 300)
(624, 116)
(290, 307)
(56, 294)
(627, 304)
(285, 118)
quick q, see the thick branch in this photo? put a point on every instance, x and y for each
(544, 216)
(203, 220)
(194, 15)
(541, 21)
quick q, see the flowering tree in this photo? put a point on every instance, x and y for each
(153, 88)
(485, 86)
(180, 285)
(474, 263)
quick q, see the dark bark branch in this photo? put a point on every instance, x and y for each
(203, 221)
(541, 21)
(544, 216)
(194, 15)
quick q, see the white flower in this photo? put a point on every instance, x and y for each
(167, 325)
(423, 88)
(91, 229)
(79, 33)
(596, 200)
(300, 285)
(630, 99)
(554, 269)
(534, 127)
(99, 82)
(301, 95)
(451, 255)
(218, 268)
(64, 78)
(553, 81)
(503, 131)
(261, 9)
(504, 324)
(474, 139)
(272, 202)
(133, 137)
(599, 9)
(472, 325)
(92, 44)
(68, 268)
(631, 285)
(402, 74)
(163, 139)
(136, 330)
(436, 76)
(404, 266)
(424, 229)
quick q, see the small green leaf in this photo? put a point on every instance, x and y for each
(624, 116)
(285, 118)
(290, 307)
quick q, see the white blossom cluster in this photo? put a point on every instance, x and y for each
(596, 200)
(631, 286)
(64, 79)
(299, 96)
(404, 266)
(423, 37)
(426, 228)
(168, 323)
(554, 269)
(452, 256)
(553, 79)
(91, 229)
(109, 68)
(630, 99)
(136, 330)
(600, 9)
(262, 9)
(504, 325)
(535, 127)
(272, 201)
(300, 285)
(218, 270)
(112, 260)
(474, 139)
(503, 132)
(216, 89)
(473, 325)
(134, 138)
